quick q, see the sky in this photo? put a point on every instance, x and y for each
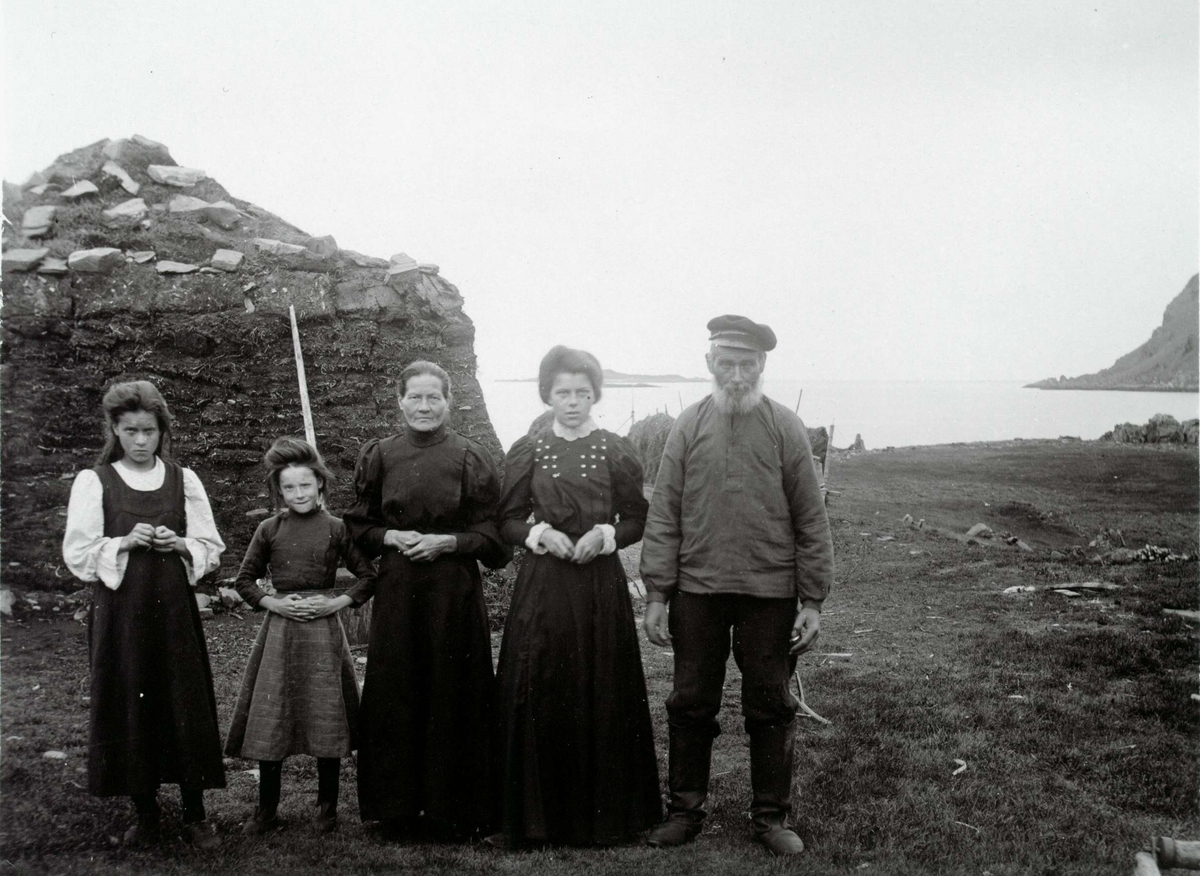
(991, 190)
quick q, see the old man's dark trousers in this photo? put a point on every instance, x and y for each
(701, 628)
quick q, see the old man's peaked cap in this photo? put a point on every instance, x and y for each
(731, 330)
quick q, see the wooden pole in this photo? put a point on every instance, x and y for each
(798, 400)
(828, 448)
(310, 433)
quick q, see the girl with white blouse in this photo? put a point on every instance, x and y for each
(139, 525)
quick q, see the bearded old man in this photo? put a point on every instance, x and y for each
(737, 543)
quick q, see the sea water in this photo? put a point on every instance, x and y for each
(886, 413)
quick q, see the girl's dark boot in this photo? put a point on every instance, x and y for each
(265, 818)
(328, 781)
(145, 830)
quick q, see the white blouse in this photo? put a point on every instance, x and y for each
(92, 557)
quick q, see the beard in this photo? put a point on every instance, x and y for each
(729, 401)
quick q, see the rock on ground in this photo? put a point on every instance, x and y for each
(111, 168)
(81, 189)
(23, 259)
(224, 214)
(38, 220)
(98, 260)
(132, 210)
(188, 205)
(173, 175)
(169, 267)
(227, 259)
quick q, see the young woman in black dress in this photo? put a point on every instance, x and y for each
(426, 505)
(153, 713)
(577, 761)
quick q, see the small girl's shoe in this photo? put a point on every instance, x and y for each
(202, 834)
(260, 822)
(325, 820)
(145, 831)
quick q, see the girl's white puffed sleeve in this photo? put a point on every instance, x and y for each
(203, 541)
(87, 552)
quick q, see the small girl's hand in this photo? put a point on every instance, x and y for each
(293, 606)
(141, 536)
(323, 606)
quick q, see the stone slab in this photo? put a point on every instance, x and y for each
(111, 168)
(53, 266)
(132, 210)
(81, 189)
(23, 259)
(37, 220)
(147, 143)
(96, 261)
(324, 246)
(224, 214)
(187, 205)
(173, 175)
(142, 256)
(227, 259)
(276, 247)
(169, 267)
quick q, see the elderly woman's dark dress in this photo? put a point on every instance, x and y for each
(426, 715)
(577, 757)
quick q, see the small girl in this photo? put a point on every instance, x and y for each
(299, 692)
(153, 714)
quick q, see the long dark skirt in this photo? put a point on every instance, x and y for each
(299, 693)
(424, 743)
(577, 747)
(153, 713)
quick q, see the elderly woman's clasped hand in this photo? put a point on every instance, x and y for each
(421, 547)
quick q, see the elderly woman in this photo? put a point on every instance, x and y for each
(425, 505)
(577, 760)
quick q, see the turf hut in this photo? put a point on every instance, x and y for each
(119, 264)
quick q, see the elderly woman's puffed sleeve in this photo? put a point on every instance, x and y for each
(364, 518)
(480, 495)
(203, 541)
(516, 502)
(87, 552)
(357, 562)
(629, 498)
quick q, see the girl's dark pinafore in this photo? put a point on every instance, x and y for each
(153, 713)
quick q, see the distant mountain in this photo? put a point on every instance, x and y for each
(620, 377)
(1168, 362)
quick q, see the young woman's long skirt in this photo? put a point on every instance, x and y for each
(577, 753)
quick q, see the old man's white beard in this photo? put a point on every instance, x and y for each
(728, 402)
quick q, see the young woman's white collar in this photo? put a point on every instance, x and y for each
(587, 427)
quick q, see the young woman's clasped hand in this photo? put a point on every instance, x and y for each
(581, 552)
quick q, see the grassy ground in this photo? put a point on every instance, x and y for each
(1072, 715)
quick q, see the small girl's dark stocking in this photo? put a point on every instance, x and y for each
(328, 778)
(270, 782)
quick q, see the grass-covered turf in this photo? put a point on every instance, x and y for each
(1072, 715)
